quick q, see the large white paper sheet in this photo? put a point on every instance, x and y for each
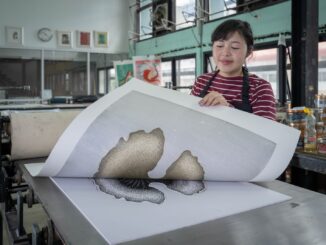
(157, 134)
(120, 221)
(229, 144)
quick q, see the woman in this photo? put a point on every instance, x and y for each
(231, 84)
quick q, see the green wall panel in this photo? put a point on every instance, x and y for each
(321, 14)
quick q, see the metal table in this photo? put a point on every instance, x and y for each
(309, 161)
(308, 170)
(301, 220)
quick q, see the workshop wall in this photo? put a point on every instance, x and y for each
(82, 15)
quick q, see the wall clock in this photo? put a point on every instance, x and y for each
(45, 34)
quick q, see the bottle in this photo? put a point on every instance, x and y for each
(321, 146)
(299, 122)
(317, 101)
(289, 116)
(310, 135)
(321, 101)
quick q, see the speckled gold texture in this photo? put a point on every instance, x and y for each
(186, 167)
(133, 158)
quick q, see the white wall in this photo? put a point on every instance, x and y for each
(67, 15)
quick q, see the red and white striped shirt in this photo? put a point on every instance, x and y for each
(261, 95)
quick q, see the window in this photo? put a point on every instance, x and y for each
(145, 25)
(20, 75)
(166, 67)
(185, 13)
(156, 17)
(263, 64)
(106, 80)
(102, 64)
(250, 5)
(185, 74)
(113, 84)
(218, 9)
(181, 72)
(102, 84)
(65, 73)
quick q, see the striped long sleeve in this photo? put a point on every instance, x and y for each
(261, 95)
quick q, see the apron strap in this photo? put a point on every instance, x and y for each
(245, 105)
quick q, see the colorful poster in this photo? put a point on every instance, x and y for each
(124, 71)
(148, 69)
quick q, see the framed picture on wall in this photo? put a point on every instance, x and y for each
(101, 39)
(64, 39)
(15, 35)
(83, 39)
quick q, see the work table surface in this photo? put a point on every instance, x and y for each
(299, 221)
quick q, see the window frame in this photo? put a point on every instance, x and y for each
(173, 66)
(107, 79)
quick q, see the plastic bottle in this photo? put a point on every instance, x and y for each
(310, 135)
(318, 101)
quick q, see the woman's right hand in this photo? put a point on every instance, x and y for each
(212, 99)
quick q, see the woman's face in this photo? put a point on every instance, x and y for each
(230, 54)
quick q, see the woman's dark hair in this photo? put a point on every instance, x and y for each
(230, 26)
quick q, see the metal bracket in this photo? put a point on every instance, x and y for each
(36, 235)
(20, 231)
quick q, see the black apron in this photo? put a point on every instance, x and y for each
(245, 104)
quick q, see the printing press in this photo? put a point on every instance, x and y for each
(300, 220)
(15, 191)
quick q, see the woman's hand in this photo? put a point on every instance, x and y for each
(213, 98)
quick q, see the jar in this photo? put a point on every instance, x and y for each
(300, 126)
(321, 146)
(320, 129)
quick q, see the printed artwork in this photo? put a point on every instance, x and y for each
(83, 39)
(148, 68)
(14, 35)
(101, 39)
(124, 129)
(64, 39)
(123, 171)
(123, 71)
